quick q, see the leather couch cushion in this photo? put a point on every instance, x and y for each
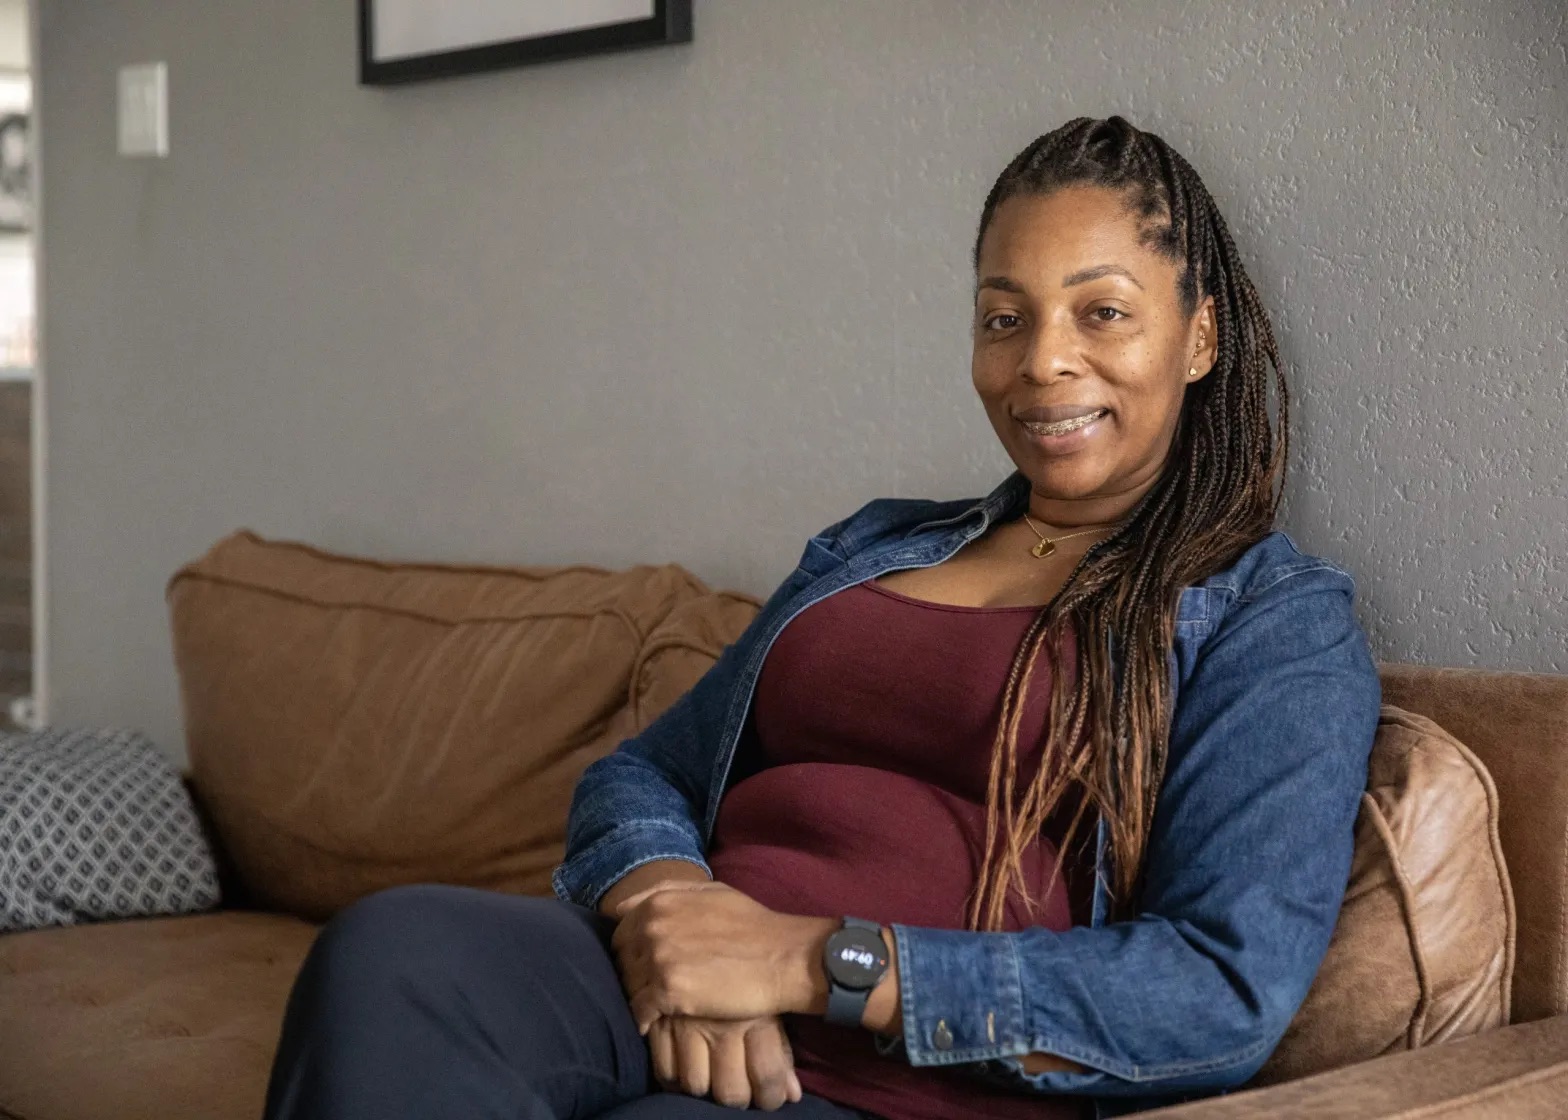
(355, 725)
(1517, 723)
(147, 1019)
(1423, 950)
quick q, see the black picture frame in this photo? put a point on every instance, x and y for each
(670, 23)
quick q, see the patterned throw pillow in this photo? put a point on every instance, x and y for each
(97, 825)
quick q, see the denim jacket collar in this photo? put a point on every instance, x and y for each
(1009, 499)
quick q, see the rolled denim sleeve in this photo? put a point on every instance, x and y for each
(636, 805)
(1247, 865)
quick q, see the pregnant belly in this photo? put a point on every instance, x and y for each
(829, 840)
(826, 839)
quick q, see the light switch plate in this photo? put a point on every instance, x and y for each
(144, 110)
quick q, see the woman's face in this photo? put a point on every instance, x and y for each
(1073, 315)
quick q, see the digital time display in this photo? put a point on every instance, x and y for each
(855, 955)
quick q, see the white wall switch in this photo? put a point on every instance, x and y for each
(144, 110)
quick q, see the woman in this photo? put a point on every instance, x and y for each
(887, 859)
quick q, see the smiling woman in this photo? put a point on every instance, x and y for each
(1083, 364)
(1068, 773)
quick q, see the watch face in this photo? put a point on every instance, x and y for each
(856, 958)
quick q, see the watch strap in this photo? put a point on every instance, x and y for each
(846, 1006)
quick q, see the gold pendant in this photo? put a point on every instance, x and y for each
(1044, 549)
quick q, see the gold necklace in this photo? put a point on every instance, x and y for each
(1047, 544)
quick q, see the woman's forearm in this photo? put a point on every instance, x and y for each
(648, 875)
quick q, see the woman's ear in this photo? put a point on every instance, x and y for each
(1205, 340)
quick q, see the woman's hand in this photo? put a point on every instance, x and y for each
(707, 951)
(741, 1063)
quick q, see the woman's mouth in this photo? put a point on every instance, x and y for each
(1062, 427)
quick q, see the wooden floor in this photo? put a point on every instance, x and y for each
(16, 545)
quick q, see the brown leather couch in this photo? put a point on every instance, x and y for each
(353, 724)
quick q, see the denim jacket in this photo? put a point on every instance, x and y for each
(1275, 700)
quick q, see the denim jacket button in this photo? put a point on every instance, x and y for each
(942, 1038)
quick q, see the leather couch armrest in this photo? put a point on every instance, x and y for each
(1519, 1072)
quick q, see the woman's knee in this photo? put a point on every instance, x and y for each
(429, 929)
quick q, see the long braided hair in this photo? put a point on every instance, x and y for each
(1109, 724)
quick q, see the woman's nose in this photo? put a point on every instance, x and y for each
(1051, 352)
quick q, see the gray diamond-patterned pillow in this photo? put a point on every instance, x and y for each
(97, 825)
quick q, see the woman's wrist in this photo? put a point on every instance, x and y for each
(884, 1011)
(803, 980)
(649, 875)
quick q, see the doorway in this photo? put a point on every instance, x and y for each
(18, 349)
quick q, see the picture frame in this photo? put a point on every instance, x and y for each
(414, 40)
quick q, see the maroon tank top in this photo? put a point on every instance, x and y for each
(874, 718)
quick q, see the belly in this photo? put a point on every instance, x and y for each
(828, 839)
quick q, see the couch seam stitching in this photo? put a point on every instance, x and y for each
(1407, 904)
(418, 616)
(544, 571)
(1500, 865)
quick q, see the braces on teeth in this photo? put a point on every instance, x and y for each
(1062, 427)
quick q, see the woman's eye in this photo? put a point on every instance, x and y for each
(996, 322)
(1115, 313)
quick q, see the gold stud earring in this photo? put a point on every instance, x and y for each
(1192, 373)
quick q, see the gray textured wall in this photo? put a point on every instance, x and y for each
(694, 303)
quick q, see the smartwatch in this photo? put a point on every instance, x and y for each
(855, 960)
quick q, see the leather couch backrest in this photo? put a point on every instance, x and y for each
(1517, 724)
(354, 724)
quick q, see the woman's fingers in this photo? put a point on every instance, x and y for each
(693, 1058)
(795, 1091)
(738, 1064)
(646, 1008)
(624, 938)
(728, 1054)
(769, 1066)
(661, 1049)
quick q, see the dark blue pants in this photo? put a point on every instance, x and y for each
(449, 1003)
